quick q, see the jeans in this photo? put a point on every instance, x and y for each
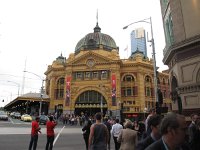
(33, 142)
(117, 145)
(49, 144)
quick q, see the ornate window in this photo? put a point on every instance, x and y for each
(104, 74)
(128, 78)
(79, 75)
(87, 74)
(90, 97)
(60, 88)
(148, 79)
(148, 91)
(128, 91)
(95, 74)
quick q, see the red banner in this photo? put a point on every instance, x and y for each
(68, 82)
(113, 90)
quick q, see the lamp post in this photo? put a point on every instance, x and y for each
(41, 91)
(17, 85)
(149, 21)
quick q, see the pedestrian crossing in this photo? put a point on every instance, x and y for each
(27, 130)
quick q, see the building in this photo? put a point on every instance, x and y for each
(94, 79)
(138, 41)
(181, 21)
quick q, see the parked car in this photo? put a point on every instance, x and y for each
(43, 119)
(3, 115)
(26, 117)
(12, 114)
(17, 115)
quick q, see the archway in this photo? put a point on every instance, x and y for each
(90, 102)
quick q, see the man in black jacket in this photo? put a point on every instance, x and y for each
(173, 129)
(153, 123)
(192, 129)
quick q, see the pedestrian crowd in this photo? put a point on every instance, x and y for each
(157, 132)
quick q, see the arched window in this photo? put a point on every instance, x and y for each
(128, 78)
(147, 79)
(90, 97)
(60, 88)
(148, 88)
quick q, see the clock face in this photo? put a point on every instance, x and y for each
(90, 62)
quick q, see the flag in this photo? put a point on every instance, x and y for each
(126, 48)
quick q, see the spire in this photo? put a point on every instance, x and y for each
(97, 28)
(97, 16)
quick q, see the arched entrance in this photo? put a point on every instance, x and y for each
(90, 102)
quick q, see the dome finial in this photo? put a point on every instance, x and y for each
(97, 28)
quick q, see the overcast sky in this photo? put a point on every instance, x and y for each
(38, 31)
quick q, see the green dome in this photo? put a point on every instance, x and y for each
(93, 41)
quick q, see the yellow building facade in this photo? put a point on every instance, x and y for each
(94, 79)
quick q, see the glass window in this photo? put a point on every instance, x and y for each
(148, 91)
(59, 91)
(78, 75)
(95, 74)
(128, 78)
(87, 74)
(148, 79)
(129, 93)
(104, 74)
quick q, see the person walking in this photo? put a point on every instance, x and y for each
(109, 127)
(153, 123)
(98, 138)
(152, 112)
(86, 132)
(173, 130)
(115, 131)
(50, 125)
(193, 132)
(128, 137)
(35, 129)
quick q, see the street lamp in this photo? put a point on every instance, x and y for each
(148, 20)
(17, 85)
(41, 91)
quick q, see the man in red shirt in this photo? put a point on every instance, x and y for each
(34, 134)
(50, 133)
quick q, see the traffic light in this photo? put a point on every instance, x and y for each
(160, 97)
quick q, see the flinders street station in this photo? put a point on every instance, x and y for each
(95, 79)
